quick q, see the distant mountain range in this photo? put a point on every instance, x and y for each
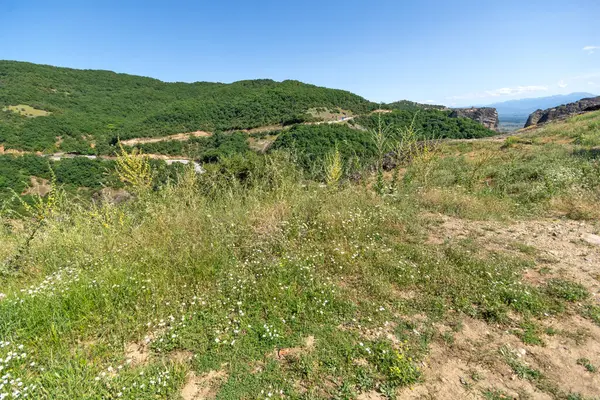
(524, 107)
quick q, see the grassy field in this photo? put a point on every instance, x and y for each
(26, 111)
(461, 274)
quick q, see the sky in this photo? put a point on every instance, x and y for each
(456, 53)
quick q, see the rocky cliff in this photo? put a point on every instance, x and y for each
(564, 111)
(486, 116)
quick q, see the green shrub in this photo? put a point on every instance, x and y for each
(566, 290)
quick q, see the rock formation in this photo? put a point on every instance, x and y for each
(534, 118)
(563, 111)
(486, 116)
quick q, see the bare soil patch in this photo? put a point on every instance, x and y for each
(309, 344)
(181, 137)
(561, 246)
(38, 187)
(372, 395)
(203, 387)
(473, 362)
(137, 353)
(261, 145)
(181, 356)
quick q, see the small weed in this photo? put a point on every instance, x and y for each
(579, 336)
(475, 376)
(510, 142)
(550, 331)
(401, 368)
(592, 312)
(587, 364)
(544, 271)
(334, 167)
(529, 334)
(522, 370)
(448, 338)
(566, 290)
(495, 394)
(525, 248)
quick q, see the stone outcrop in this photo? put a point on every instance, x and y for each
(563, 111)
(486, 116)
(534, 118)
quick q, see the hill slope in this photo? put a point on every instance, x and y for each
(83, 108)
(464, 275)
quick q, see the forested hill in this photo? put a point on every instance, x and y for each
(86, 110)
(407, 105)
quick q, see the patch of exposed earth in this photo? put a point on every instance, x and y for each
(203, 387)
(475, 361)
(181, 137)
(38, 187)
(560, 247)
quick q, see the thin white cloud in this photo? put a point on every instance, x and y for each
(592, 83)
(562, 84)
(500, 92)
(515, 90)
(429, 101)
(591, 49)
(590, 75)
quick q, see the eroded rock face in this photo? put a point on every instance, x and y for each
(563, 111)
(486, 116)
(534, 117)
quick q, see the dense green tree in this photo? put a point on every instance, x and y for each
(310, 144)
(428, 123)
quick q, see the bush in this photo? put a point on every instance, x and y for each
(312, 143)
(428, 124)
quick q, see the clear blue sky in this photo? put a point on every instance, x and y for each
(451, 52)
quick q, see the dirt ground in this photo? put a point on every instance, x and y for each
(563, 248)
(179, 137)
(475, 360)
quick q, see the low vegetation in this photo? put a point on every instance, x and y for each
(256, 280)
(429, 123)
(79, 177)
(204, 149)
(311, 144)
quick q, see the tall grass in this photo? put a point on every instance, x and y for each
(249, 259)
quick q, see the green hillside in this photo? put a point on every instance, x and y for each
(429, 123)
(50, 109)
(86, 106)
(411, 106)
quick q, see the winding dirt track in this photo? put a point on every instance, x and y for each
(182, 137)
(179, 137)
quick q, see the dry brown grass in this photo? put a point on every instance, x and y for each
(456, 202)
